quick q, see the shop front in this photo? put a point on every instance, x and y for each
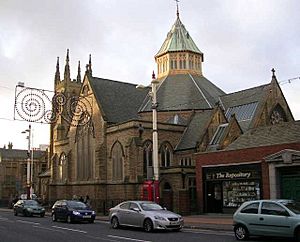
(227, 187)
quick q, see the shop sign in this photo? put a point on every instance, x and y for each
(228, 175)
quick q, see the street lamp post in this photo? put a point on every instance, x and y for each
(28, 183)
(155, 140)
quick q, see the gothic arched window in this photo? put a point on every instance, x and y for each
(278, 115)
(147, 160)
(117, 161)
(62, 166)
(165, 155)
(85, 142)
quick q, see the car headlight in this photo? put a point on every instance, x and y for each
(93, 212)
(159, 218)
(76, 213)
(29, 209)
(180, 218)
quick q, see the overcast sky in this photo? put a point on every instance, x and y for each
(242, 40)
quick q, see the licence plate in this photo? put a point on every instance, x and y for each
(86, 216)
(173, 223)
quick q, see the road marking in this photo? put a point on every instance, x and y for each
(206, 231)
(3, 218)
(27, 222)
(73, 230)
(126, 238)
(56, 230)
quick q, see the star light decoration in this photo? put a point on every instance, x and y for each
(43, 106)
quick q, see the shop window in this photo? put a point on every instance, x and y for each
(251, 208)
(237, 192)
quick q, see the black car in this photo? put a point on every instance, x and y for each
(28, 208)
(72, 211)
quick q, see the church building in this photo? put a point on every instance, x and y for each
(107, 154)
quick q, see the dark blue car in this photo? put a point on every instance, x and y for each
(72, 211)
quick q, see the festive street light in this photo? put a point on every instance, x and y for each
(29, 157)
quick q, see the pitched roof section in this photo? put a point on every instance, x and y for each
(178, 39)
(286, 132)
(249, 100)
(185, 92)
(19, 154)
(195, 130)
(119, 101)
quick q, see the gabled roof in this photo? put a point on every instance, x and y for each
(252, 97)
(178, 39)
(282, 133)
(185, 92)
(195, 130)
(119, 101)
(17, 154)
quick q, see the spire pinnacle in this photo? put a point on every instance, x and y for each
(67, 68)
(57, 73)
(89, 66)
(79, 73)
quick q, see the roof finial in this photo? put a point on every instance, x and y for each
(67, 68)
(153, 75)
(57, 74)
(90, 65)
(273, 73)
(177, 1)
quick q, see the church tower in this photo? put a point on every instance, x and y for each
(68, 88)
(178, 54)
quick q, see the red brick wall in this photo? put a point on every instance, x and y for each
(235, 157)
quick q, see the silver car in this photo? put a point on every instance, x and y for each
(144, 214)
(267, 218)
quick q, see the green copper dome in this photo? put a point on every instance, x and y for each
(178, 39)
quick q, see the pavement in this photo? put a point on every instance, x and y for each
(218, 222)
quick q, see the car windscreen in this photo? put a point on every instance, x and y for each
(151, 206)
(76, 205)
(31, 202)
(294, 207)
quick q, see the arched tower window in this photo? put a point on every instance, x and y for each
(165, 155)
(147, 160)
(117, 161)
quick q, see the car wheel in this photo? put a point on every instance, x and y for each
(241, 232)
(91, 221)
(26, 213)
(177, 230)
(42, 215)
(148, 225)
(114, 223)
(69, 220)
(15, 213)
(54, 219)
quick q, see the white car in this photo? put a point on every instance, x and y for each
(144, 214)
(279, 218)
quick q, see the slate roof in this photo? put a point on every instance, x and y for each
(195, 130)
(17, 154)
(119, 101)
(178, 39)
(282, 133)
(185, 92)
(251, 95)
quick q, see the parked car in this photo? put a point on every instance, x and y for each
(72, 211)
(28, 208)
(267, 218)
(144, 214)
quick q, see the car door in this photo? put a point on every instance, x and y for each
(274, 220)
(57, 209)
(123, 212)
(19, 206)
(249, 216)
(134, 215)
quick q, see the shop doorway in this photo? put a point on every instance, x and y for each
(167, 196)
(214, 197)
